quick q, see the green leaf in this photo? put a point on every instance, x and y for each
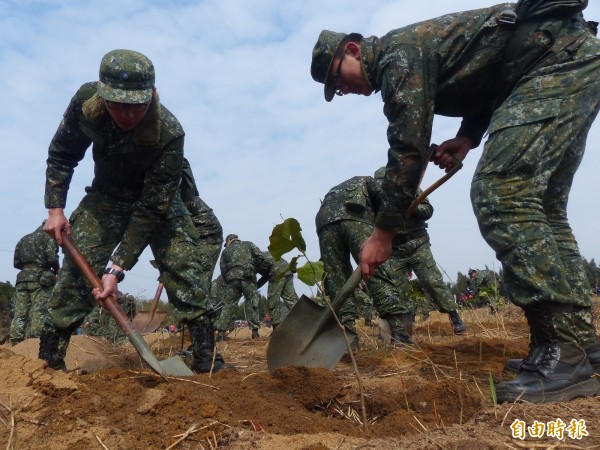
(285, 237)
(311, 272)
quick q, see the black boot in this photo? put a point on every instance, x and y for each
(514, 365)
(592, 352)
(53, 348)
(458, 325)
(559, 369)
(203, 346)
(401, 328)
(255, 334)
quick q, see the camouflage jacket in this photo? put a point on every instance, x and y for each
(278, 268)
(35, 253)
(482, 279)
(206, 223)
(355, 199)
(243, 260)
(142, 167)
(453, 66)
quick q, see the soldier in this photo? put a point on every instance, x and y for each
(281, 295)
(133, 200)
(532, 79)
(36, 256)
(484, 286)
(240, 262)
(412, 252)
(344, 221)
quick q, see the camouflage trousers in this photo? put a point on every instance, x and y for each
(208, 252)
(416, 255)
(521, 186)
(338, 242)
(98, 225)
(234, 289)
(30, 310)
(281, 297)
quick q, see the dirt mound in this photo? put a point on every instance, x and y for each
(436, 394)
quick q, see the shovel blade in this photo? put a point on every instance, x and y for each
(144, 323)
(171, 367)
(308, 336)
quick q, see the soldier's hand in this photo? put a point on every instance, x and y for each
(56, 222)
(457, 147)
(375, 251)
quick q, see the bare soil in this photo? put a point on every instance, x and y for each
(434, 395)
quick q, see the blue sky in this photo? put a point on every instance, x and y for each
(262, 142)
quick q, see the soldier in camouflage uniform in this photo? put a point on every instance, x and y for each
(240, 262)
(535, 86)
(344, 221)
(484, 285)
(36, 256)
(134, 200)
(281, 295)
(411, 251)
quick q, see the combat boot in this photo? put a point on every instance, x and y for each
(458, 325)
(255, 333)
(559, 369)
(203, 346)
(593, 353)
(53, 348)
(401, 328)
(586, 335)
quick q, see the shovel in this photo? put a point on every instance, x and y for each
(173, 366)
(310, 335)
(148, 321)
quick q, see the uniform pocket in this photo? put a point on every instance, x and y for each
(519, 133)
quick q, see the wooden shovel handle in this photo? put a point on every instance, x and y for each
(455, 168)
(110, 304)
(157, 295)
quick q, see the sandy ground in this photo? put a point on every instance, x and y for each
(435, 395)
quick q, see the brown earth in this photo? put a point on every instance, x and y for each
(436, 395)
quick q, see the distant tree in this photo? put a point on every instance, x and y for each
(593, 272)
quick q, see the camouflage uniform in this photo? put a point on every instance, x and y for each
(411, 251)
(208, 227)
(484, 285)
(364, 303)
(36, 256)
(133, 201)
(344, 222)
(281, 295)
(240, 262)
(537, 95)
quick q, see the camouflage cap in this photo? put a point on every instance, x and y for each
(126, 76)
(322, 57)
